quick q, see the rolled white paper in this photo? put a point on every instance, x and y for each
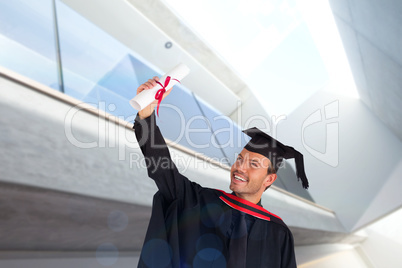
(147, 96)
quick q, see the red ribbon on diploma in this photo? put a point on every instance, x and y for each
(160, 92)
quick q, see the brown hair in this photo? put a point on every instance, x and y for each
(271, 170)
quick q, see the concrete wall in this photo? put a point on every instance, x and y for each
(96, 260)
(382, 251)
(350, 157)
(329, 257)
(386, 199)
(371, 35)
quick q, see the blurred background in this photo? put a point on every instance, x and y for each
(322, 76)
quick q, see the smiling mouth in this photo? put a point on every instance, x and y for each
(239, 178)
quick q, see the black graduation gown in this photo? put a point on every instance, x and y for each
(190, 225)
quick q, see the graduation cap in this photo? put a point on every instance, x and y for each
(275, 151)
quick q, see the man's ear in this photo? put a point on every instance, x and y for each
(269, 179)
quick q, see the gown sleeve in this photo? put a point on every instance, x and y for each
(288, 253)
(161, 168)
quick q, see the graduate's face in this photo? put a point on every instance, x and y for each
(249, 175)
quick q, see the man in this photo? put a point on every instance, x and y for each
(193, 226)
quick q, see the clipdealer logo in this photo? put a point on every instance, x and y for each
(331, 113)
(111, 136)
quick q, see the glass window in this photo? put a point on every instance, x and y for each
(96, 67)
(27, 40)
(182, 121)
(227, 135)
(114, 90)
(99, 70)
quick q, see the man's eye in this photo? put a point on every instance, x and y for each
(254, 165)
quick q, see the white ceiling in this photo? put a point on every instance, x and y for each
(279, 48)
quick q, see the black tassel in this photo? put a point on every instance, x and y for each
(300, 169)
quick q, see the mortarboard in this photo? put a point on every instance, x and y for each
(275, 151)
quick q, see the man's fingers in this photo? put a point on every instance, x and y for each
(148, 85)
(153, 82)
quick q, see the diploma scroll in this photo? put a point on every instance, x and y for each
(167, 81)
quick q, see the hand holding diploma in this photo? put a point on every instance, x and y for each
(148, 110)
(151, 93)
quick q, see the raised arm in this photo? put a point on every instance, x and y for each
(161, 167)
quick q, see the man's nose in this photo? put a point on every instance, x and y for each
(243, 165)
